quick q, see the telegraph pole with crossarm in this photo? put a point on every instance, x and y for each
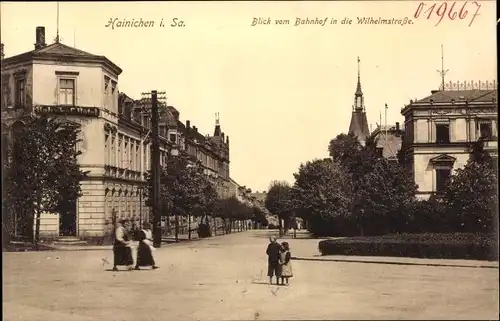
(155, 167)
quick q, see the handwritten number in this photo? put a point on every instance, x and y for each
(441, 12)
(463, 13)
(419, 10)
(430, 11)
(443, 9)
(475, 14)
(452, 14)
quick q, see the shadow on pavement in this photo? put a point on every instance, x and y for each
(119, 270)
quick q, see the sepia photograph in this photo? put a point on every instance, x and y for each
(249, 160)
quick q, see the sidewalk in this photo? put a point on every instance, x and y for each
(165, 240)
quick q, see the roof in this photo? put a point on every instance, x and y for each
(359, 125)
(58, 51)
(476, 95)
(390, 142)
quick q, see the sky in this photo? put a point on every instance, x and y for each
(282, 91)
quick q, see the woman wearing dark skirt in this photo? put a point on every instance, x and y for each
(145, 250)
(122, 252)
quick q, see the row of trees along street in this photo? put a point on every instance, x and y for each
(187, 192)
(355, 192)
(41, 174)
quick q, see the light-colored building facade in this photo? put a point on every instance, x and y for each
(66, 82)
(440, 128)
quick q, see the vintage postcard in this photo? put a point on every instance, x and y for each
(249, 160)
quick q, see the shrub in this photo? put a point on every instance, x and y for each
(437, 246)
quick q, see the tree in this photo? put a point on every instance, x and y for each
(321, 195)
(259, 216)
(182, 188)
(381, 190)
(43, 174)
(471, 196)
(207, 208)
(278, 201)
(382, 196)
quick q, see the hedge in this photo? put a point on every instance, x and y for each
(435, 246)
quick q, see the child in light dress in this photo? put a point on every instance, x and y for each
(286, 263)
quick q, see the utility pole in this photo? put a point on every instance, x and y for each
(155, 169)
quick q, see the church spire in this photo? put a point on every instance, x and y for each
(358, 95)
(359, 123)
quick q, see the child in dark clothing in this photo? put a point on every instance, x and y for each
(273, 254)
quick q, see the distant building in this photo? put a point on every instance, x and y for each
(359, 121)
(440, 128)
(389, 140)
(260, 197)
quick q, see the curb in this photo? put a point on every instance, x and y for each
(165, 242)
(396, 263)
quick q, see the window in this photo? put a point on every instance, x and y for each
(485, 130)
(67, 92)
(380, 152)
(20, 93)
(162, 130)
(442, 133)
(106, 149)
(113, 98)
(113, 153)
(173, 138)
(442, 177)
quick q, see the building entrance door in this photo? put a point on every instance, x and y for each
(67, 220)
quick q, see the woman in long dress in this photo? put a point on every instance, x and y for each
(145, 250)
(122, 252)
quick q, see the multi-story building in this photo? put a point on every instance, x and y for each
(68, 83)
(440, 128)
(389, 139)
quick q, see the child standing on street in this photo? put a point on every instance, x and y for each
(286, 263)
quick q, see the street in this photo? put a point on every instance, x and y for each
(224, 278)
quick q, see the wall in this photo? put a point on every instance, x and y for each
(424, 170)
(91, 209)
(89, 83)
(8, 84)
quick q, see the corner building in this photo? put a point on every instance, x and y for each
(61, 81)
(441, 128)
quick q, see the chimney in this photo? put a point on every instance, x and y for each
(40, 38)
(188, 124)
(2, 55)
(397, 126)
(195, 129)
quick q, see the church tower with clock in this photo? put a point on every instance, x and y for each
(359, 122)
